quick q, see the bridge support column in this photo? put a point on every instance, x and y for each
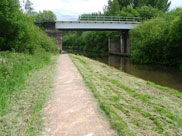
(120, 46)
(57, 35)
(124, 43)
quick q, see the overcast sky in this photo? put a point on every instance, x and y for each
(77, 7)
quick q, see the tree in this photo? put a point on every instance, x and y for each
(148, 41)
(113, 8)
(90, 16)
(9, 15)
(159, 4)
(28, 7)
(45, 16)
(158, 40)
(18, 31)
(148, 12)
(129, 12)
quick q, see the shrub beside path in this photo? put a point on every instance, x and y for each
(72, 110)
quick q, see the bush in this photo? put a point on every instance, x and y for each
(19, 32)
(158, 40)
(174, 47)
(147, 41)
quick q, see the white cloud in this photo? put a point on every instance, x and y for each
(69, 7)
(175, 4)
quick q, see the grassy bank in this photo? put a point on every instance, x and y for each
(132, 106)
(26, 88)
(15, 68)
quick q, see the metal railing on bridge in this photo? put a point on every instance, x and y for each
(102, 19)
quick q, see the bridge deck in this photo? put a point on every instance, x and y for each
(90, 23)
(99, 23)
(95, 25)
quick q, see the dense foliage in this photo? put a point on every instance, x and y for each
(90, 41)
(113, 8)
(148, 12)
(45, 16)
(128, 12)
(19, 32)
(145, 12)
(159, 40)
(159, 4)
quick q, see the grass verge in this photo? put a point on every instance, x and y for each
(15, 68)
(25, 99)
(132, 106)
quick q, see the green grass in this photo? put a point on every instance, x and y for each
(23, 116)
(15, 68)
(132, 106)
(170, 91)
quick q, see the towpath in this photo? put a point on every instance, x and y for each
(72, 110)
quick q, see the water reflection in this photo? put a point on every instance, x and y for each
(162, 75)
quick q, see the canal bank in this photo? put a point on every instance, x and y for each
(133, 106)
(162, 75)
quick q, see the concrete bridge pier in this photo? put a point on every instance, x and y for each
(124, 43)
(120, 46)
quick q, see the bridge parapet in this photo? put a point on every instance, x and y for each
(106, 19)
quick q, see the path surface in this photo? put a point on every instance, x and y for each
(72, 110)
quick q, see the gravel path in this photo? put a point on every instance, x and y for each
(72, 110)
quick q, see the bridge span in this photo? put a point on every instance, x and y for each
(99, 23)
(95, 23)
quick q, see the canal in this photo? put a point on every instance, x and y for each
(162, 75)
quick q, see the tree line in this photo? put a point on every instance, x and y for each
(115, 6)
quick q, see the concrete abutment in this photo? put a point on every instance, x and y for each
(51, 31)
(56, 34)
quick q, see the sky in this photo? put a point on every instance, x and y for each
(64, 8)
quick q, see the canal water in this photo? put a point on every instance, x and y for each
(162, 75)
